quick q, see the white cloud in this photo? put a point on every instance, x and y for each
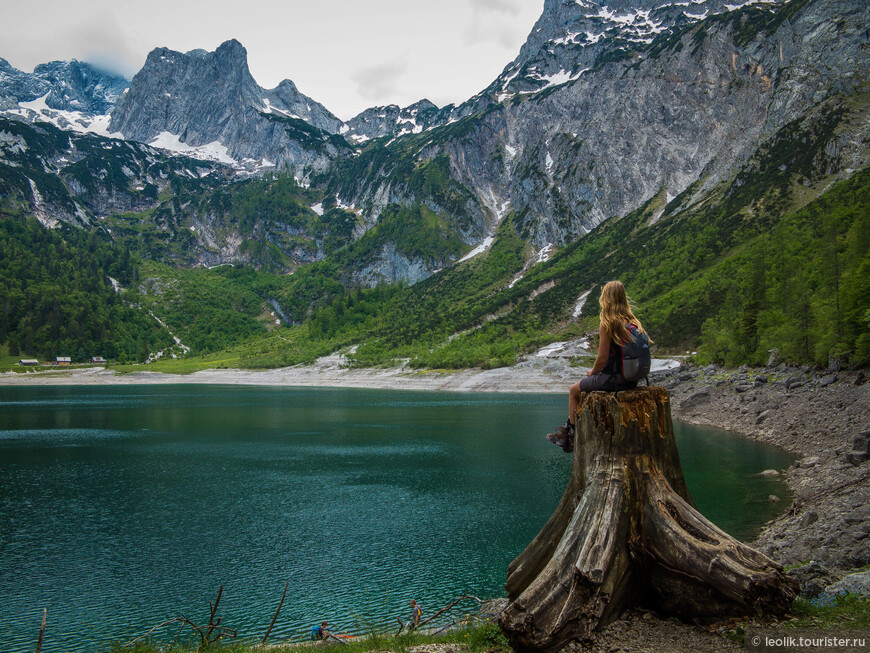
(493, 29)
(380, 80)
(493, 21)
(501, 6)
(98, 38)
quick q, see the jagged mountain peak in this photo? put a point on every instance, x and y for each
(208, 103)
(573, 36)
(393, 120)
(229, 58)
(423, 105)
(231, 50)
(70, 86)
(232, 46)
(286, 85)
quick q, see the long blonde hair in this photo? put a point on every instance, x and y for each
(616, 312)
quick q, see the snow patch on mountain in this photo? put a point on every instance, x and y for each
(580, 303)
(538, 257)
(214, 151)
(480, 249)
(561, 77)
(344, 205)
(77, 121)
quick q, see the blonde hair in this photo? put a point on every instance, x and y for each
(616, 312)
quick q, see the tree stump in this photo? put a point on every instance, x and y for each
(627, 533)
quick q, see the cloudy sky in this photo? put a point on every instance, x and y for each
(346, 54)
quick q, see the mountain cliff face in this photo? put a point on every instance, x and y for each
(202, 104)
(654, 103)
(573, 36)
(209, 99)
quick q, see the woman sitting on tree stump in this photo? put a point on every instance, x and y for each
(613, 331)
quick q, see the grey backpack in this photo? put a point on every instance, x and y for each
(636, 359)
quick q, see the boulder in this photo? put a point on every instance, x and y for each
(809, 518)
(856, 458)
(794, 382)
(695, 400)
(813, 577)
(773, 359)
(856, 584)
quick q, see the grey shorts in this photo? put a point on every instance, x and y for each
(606, 382)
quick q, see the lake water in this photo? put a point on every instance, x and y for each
(123, 506)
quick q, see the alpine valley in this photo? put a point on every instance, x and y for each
(713, 157)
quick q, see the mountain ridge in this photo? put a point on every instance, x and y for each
(717, 124)
(564, 28)
(65, 85)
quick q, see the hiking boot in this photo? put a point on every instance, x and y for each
(563, 437)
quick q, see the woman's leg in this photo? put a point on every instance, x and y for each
(573, 401)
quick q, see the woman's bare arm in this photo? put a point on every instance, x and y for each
(603, 352)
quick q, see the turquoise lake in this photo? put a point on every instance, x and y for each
(123, 506)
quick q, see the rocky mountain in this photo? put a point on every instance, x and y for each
(80, 179)
(62, 85)
(68, 94)
(392, 120)
(209, 100)
(605, 109)
(201, 104)
(573, 36)
(638, 104)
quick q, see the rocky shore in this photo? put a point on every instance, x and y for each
(823, 416)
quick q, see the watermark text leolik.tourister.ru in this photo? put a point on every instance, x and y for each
(797, 641)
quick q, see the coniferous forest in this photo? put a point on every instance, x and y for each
(732, 290)
(58, 298)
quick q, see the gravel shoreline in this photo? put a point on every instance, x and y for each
(823, 416)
